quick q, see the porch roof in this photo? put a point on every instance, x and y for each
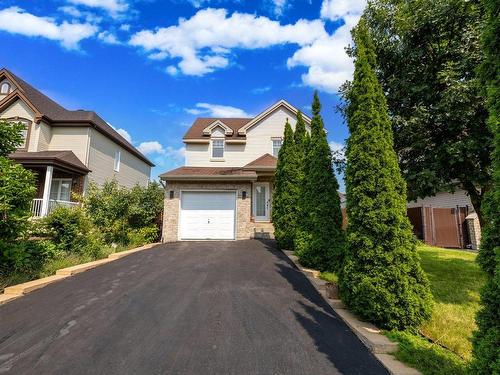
(65, 160)
(208, 173)
(266, 162)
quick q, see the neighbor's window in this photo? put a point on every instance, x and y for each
(60, 189)
(277, 143)
(117, 161)
(5, 88)
(218, 148)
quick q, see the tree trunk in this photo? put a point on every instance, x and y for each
(476, 198)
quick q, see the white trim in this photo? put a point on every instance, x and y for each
(46, 190)
(268, 202)
(268, 111)
(213, 125)
(221, 158)
(117, 161)
(208, 191)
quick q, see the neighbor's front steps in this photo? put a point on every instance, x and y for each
(19, 290)
(369, 335)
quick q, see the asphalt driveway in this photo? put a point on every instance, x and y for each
(184, 308)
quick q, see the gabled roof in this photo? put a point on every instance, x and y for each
(63, 159)
(218, 123)
(208, 173)
(56, 115)
(265, 162)
(199, 125)
(199, 130)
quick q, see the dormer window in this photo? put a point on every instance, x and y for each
(218, 148)
(5, 88)
(277, 143)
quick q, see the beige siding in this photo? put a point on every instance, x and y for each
(444, 200)
(101, 163)
(20, 109)
(70, 138)
(44, 136)
(237, 155)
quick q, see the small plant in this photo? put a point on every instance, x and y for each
(141, 236)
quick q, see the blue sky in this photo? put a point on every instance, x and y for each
(149, 67)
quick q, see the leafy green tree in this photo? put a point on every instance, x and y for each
(320, 239)
(286, 191)
(427, 53)
(10, 137)
(486, 341)
(381, 279)
(17, 185)
(145, 205)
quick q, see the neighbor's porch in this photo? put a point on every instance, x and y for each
(60, 175)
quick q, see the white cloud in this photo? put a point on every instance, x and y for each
(328, 65)
(77, 13)
(113, 7)
(217, 110)
(108, 38)
(125, 27)
(338, 151)
(17, 21)
(124, 134)
(279, 6)
(203, 42)
(156, 148)
(261, 90)
(337, 9)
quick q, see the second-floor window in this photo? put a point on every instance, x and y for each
(277, 143)
(218, 148)
(117, 161)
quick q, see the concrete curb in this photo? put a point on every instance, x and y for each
(369, 335)
(19, 290)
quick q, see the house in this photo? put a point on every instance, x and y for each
(67, 149)
(224, 191)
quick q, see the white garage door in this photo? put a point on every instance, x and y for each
(207, 215)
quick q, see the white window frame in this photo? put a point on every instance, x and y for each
(5, 84)
(58, 198)
(116, 166)
(223, 148)
(272, 145)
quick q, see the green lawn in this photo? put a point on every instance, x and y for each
(455, 281)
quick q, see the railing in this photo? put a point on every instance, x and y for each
(37, 204)
(36, 207)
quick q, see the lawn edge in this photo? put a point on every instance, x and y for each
(368, 334)
(15, 291)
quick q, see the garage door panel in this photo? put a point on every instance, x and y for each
(207, 215)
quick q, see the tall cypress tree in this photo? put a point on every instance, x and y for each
(381, 278)
(286, 192)
(486, 341)
(320, 239)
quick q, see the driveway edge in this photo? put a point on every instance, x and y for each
(14, 291)
(368, 334)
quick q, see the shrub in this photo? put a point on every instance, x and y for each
(320, 215)
(26, 256)
(381, 278)
(72, 231)
(146, 205)
(286, 192)
(486, 341)
(141, 236)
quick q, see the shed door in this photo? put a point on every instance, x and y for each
(207, 215)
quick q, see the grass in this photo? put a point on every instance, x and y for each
(329, 276)
(50, 267)
(455, 281)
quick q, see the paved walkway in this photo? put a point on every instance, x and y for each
(184, 308)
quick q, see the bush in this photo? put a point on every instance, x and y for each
(73, 232)
(26, 256)
(321, 240)
(115, 210)
(381, 278)
(142, 236)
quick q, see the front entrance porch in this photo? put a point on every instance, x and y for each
(60, 175)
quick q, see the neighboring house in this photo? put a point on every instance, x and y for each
(66, 149)
(225, 189)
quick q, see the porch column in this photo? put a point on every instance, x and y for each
(46, 190)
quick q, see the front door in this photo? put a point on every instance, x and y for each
(261, 201)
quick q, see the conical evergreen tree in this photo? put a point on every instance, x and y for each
(320, 239)
(381, 278)
(286, 192)
(300, 137)
(486, 341)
